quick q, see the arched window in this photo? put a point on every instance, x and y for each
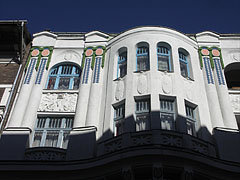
(184, 61)
(142, 57)
(232, 73)
(164, 57)
(64, 76)
(122, 62)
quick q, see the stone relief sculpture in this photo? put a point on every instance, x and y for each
(166, 84)
(119, 90)
(235, 100)
(235, 56)
(142, 84)
(58, 102)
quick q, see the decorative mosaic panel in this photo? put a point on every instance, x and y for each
(41, 70)
(97, 70)
(219, 71)
(208, 70)
(30, 70)
(86, 70)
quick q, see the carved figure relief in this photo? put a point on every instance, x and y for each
(119, 90)
(142, 84)
(166, 84)
(235, 56)
(235, 100)
(58, 102)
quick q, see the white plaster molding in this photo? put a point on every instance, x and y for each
(235, 56)
(142, 84)
(235, 100)
(166, 84)
(58, 102)
(119, 90)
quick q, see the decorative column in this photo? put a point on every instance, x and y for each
(222, 90)
(84, 88)
(96, 87)
(28, 81)
(36, 93)
(212, 95)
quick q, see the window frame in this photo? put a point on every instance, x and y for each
(191, 118)
(122, 62)
(166, 111)
(161, 53)
(75, 73)
(144, 53)
(144, 113)
(185, 61)
(59, 131)
(119, 117)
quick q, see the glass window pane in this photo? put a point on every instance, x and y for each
(123, 69)
(51, 83)
(142, 122)
(167, 121)
(163, 63)
(119, 127)
(142, 63)
(184, 70)
(51, 138)
(37, 138)
(76, 82)
(64, 83)
(65, 139)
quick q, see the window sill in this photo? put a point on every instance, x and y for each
(120, 78)
(60, 91)
(141, 71)
(188, 78)
(164, 71)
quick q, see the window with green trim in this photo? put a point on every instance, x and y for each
(64, 76)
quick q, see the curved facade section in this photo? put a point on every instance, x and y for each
(148, 103)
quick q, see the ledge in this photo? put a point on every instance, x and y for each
(45, 154)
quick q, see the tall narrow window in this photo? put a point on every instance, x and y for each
(122, 64)
(142, 114)
(167, 113)
(119, 115)
(142, 57)
(191, 119)
(164, 58)
(64, 77)
(184, 64)
(52, 132)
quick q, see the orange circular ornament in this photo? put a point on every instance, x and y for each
(99, 51)
(35, 52)
(89, 52)
(205, 52)
(45, 52)
(215, 52)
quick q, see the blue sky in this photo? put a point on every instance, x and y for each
(187, 16)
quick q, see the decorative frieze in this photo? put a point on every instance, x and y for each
(45, 154)
(58, 102)
(235, 100)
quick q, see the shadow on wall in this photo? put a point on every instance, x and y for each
(222, 143)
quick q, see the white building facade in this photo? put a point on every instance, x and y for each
(96, 99)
